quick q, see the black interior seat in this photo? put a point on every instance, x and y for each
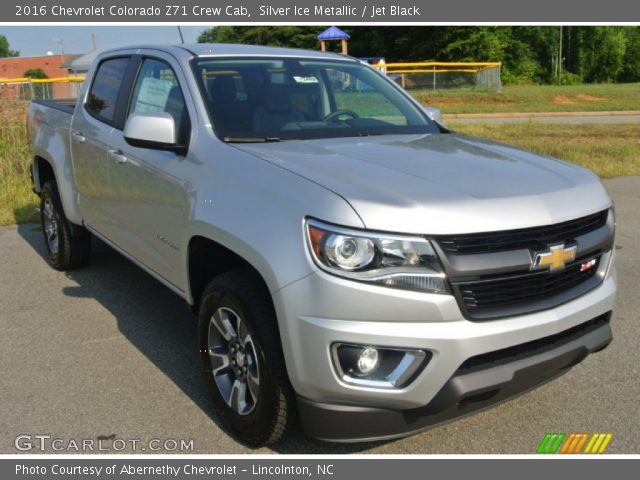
(276, 109)
(229, 114)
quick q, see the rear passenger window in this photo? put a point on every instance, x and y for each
(157, 90)
(106, 86)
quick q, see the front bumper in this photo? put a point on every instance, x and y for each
(468, 390)
(320, 309)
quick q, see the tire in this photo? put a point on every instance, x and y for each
(259, 414)
(65, 250)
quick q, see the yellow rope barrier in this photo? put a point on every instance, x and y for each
(42, 80)
(457, 70)
(438, 64)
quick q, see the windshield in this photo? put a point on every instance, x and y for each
(270, 99)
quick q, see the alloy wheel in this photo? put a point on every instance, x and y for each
(233, 360)
(50, 224)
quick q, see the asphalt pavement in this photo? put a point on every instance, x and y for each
(573, 118)
(107, 353)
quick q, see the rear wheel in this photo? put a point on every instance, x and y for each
(242, 359)
(65, 251)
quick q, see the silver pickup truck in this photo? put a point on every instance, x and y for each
(353, 263)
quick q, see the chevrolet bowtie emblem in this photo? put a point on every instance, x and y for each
(555, 258)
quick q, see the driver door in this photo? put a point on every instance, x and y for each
(152, 204)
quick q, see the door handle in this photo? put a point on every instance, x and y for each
(78, 137)
(117, 156)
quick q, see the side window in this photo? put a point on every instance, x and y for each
(157, 90)
(105, 88)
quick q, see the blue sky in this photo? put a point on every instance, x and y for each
(32, 41)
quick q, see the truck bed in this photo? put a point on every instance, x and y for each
(66, 105)
(48, 127)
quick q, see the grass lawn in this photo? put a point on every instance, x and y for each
(17, 201)
(609, 150)
(535, 98)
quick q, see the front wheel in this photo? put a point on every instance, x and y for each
(242, 359)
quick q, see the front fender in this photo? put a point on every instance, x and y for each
(260, 217)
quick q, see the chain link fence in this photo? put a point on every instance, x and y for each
(25, 89)
(441, 75)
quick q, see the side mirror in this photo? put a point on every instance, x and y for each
(434, 114)
(152, 130)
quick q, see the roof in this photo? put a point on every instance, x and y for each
(212, 49)
(227, 50)
(70, 58)
(36, 57)
(83, 62)
(333, 33)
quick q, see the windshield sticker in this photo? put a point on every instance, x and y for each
(309, 79)
(153, 95)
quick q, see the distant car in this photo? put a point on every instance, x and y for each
(351, 261)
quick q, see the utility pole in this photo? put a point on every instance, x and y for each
(60, 43)
(93, 41)
(560, 58)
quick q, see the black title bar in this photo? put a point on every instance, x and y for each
(319, 11)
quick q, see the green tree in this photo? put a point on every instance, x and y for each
(631, 62)
(5, 51)
(406, 44)
(602, 53)
(285, 36)
(35, 73)
(496, 44)
(39, 90)
(527, 53)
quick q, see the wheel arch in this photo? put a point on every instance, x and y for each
(45, 168)
(43, 171)
(207, 258)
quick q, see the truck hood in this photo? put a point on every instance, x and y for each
(441, 184)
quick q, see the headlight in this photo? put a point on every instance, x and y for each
(395, 261)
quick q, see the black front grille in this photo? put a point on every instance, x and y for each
(526, 238)
(507, 295)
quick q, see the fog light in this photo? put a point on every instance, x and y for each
(378, 367)
(368, 361)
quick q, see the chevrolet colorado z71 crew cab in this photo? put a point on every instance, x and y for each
(352, 262)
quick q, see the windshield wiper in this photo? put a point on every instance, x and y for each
(370, 134)
(265, 139)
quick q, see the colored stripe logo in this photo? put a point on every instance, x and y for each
(593, 443)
